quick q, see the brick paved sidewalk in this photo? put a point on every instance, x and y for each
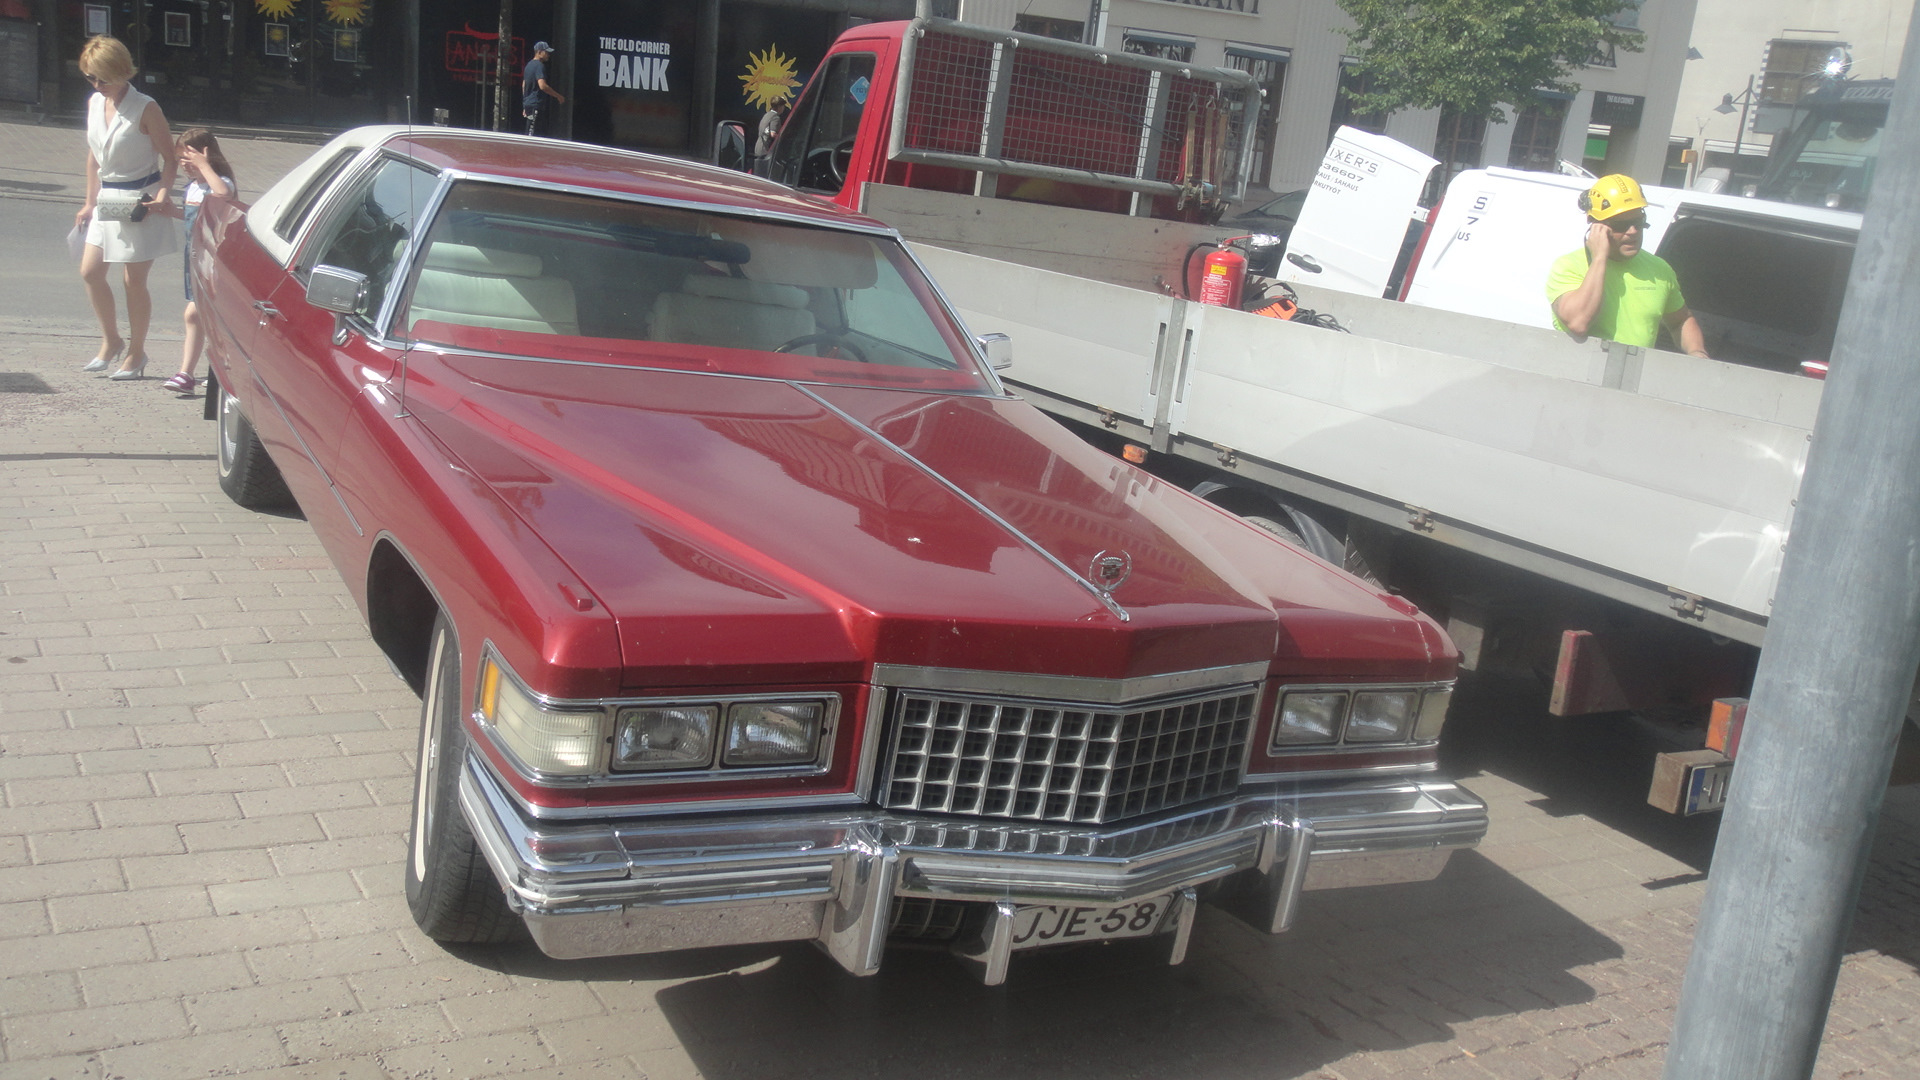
(206, 769)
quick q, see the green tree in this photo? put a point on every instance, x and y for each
(1471, 55)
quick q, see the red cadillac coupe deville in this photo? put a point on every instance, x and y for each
(745, 604)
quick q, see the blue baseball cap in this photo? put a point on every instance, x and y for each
(541, 46)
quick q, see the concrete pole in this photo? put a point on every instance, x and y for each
(1834, 677)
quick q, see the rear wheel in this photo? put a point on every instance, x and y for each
(450, 889)
(247, 474)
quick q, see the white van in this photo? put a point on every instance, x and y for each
(1765, 278)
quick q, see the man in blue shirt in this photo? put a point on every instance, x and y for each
(534, 90)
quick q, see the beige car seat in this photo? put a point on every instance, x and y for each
(731, 313)
(505, 290)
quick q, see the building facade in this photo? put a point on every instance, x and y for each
(1755, 58)
(657, 75)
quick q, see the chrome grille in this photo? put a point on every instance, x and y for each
(1063, 761)
(922, 919)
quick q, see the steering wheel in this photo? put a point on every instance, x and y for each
(838, 341)
(840, 161)
(828, 163)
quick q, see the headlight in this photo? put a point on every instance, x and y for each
(1433, 714)
(1359, 716)
(773, 733)
(1382, 715)
(1309, 717)
(545, 740)
(664, 737)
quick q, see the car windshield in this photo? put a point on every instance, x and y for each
(525, 272)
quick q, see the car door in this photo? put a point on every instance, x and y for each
(252, 257)
(322, 361)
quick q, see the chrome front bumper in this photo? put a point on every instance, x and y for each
(653, 885)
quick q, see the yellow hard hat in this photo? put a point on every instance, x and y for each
(1612, 195)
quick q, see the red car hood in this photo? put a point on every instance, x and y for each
(761, 532)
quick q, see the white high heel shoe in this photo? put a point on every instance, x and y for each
(135, 369)
(102, 363)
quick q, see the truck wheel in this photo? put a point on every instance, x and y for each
(1302, 532)
(450, 889)
(247, 474)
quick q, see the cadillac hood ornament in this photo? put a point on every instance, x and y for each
(1109, 571)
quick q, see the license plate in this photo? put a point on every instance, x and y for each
(1037, 925)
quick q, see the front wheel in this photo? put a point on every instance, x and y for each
(450, 888)
(247, 474)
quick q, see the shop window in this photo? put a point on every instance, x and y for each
(1458, 145)
(1353, 81)
(1163, 46)
(1536, 136)
(1269, 71)
(1063, 29)
(1792, 69)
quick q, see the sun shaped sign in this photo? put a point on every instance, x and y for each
(346, 12)
(278, 9)
(769, 78)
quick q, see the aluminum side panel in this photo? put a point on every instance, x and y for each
(1688, 497)
(1080, 339)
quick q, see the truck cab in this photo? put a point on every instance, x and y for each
(968, 110)
(1827, 157)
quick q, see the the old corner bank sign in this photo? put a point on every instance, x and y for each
(632, 64)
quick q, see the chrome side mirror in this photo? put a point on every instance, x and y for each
(335, 289)
(999, 350)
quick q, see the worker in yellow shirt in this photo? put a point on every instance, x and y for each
(1611, 288)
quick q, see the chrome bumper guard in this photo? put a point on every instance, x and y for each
(654, 885)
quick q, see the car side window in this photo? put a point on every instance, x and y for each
(369, 232)
(816, 153)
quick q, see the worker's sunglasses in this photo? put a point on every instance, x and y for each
(1621, 225)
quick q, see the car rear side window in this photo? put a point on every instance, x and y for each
(369, 232)
(303, 204)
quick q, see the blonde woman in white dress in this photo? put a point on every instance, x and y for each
(129, 148)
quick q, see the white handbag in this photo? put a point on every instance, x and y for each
(120, 204)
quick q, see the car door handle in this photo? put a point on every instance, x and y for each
(266, 310)
(1304, 262)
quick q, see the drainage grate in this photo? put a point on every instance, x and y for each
(20, 382)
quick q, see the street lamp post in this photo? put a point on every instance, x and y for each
(1745, 101)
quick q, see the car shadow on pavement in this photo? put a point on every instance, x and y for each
(1387, 968)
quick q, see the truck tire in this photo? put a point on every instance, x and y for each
(451, 890)
(1302, 532)
(247, 474)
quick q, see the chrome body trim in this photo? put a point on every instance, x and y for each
(1356, 773)
(625, 885)
(1066, 687)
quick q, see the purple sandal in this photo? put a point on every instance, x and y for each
(181, 383)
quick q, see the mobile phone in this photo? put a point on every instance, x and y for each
(139, 211)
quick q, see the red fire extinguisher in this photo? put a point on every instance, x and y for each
(1221, 276)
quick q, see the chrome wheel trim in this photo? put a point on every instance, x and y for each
(428, 772)
(230, 423)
